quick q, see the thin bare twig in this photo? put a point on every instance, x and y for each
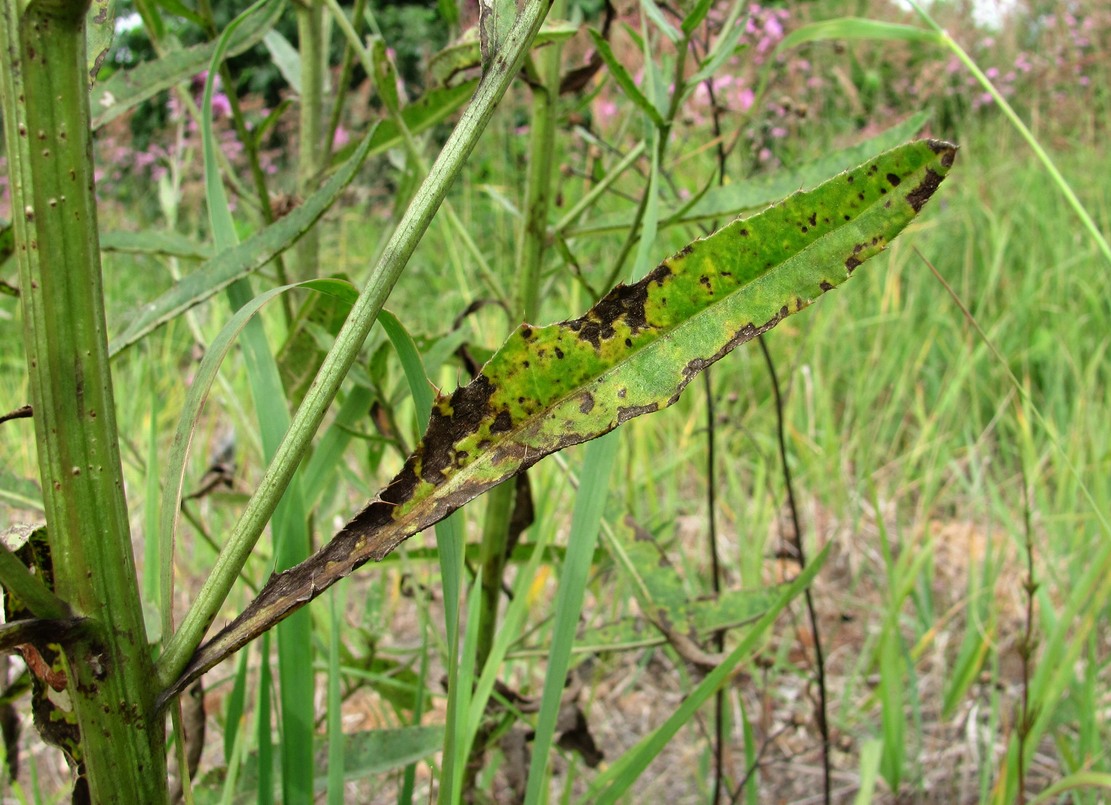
(800, 555)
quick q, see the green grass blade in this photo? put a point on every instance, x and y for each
(871, 751)
(449, 542)
(586, 520)
(615, 781)
(264, 783)
(236, 705)
(289, 524)
(335, 700)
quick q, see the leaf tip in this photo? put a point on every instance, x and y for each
(945, 150)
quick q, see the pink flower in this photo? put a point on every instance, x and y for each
(342, 137)
(221, 106)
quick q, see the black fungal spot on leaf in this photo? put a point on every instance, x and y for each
(625, 303)
(502, 422)
(851, 263)
(586, 405)
(894, 180)
(917, 197)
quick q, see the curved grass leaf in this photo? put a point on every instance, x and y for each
(857, 28)
(633, 353)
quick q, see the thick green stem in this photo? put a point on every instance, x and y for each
(350, 339)
(312, 155)
(46, 122)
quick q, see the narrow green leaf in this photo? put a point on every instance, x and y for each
(696, 15)
(264, 782)
(590, 503)
(385, 76)
(236, 704)
(126, 89)
(623, 79)
(871, 751)
(335, 699)
(431, 108)
(364, 754)
(285, 57)
(227, 266)
(633, 353)
(169, 244)
(857, 28)
(653, 12)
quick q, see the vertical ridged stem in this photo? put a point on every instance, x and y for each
(46, 121)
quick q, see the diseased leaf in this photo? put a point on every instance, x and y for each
(100, 28)
(633, 353)
(495, 18)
